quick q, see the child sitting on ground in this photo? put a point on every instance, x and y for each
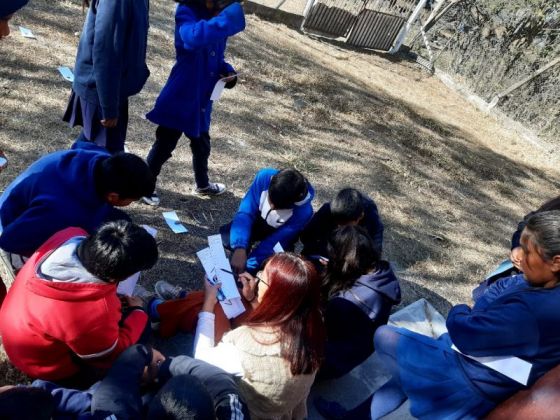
(516, 317)
(62, 318)
(275, 210)
(359, 290)
(349, 207)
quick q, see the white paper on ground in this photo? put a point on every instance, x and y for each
(27, 33)
(233, 307)
(126, 287)
(278, 248)
(66, 73)
(218, 90)
(173, 222)
(152, 231)
(229, 287)
(510, 366)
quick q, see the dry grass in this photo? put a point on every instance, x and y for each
(450, 182)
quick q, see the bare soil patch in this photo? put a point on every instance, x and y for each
(449, 181)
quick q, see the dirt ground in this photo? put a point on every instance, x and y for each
(450, 182)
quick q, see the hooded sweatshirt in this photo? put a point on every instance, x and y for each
(55, 192)
(353, 315)
(48, 323)
(249, 211)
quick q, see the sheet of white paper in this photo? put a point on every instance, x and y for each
(278, 248)
(26, 33)
(218, 90)
(233, 307)
(126, 287)
(222, 263)
(173, 222)
(66, 73)
(510, 366)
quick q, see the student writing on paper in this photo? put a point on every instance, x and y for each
(110, 68)
(359, 290)
(274, 210)
(279, 349)
(78, 188)
(62, 318)
(518, 319)
(349, 207)
(184, 105)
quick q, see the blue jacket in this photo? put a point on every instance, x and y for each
(352, 317)
(111, 59)
(512, 318)
(55, 192)
(200, 40)
(240, 233)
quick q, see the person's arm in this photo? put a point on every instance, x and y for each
(225, 355)
(286, 235)
(313, 233)
(118, 393)
(374, 225)
(111, 27)
(196, 33)
(220, 384)
(494, 330)
(71, 402)
(498, 288)
(109, 336)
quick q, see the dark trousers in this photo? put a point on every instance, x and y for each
(166, 142)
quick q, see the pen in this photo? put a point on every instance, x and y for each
(226, 271)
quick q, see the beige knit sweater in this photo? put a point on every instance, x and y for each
(268, 387)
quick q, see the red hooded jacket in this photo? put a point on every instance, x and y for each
(46, 325)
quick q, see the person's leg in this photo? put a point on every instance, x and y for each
(116, 137)
(200, 147)
(166, 141)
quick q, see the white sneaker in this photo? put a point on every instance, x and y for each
(152, 200)
(167, 291)
(213, 188)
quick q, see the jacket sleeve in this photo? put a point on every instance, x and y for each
(220, 384)
(496, 289)
(505, 328)
(111, 26)
(196, 33)
(102, 344)
(70, 402)
(240, 232)
(374, 225)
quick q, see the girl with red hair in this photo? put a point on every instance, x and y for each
(278, 350)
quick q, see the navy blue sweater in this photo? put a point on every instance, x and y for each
(353, 316)
(511, 319)
(55, 192)
(111, 59)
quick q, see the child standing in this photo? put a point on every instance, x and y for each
(110, 67)
(184, 105)
(516, 316)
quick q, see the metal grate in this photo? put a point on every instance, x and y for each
(375, 30)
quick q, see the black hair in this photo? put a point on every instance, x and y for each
(544, 231)
(117, 250)
(26, 403)
(183, 397)
(125, 174)
(347, 206)
(352, 253)
(286, 188)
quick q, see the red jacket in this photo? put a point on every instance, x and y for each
(45, 324)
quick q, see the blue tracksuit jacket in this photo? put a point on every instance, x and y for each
(240, 233)
(200, 41)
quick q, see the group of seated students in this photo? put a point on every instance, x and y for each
(308, 317)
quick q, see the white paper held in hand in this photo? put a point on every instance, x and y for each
(66, 73)
(223, 268)
(26, 33)
(278, 248)
(218, 90)
(173, 222)
(126, 287)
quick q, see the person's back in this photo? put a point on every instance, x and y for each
(63, 305)
(68, 188)
(349, 207)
